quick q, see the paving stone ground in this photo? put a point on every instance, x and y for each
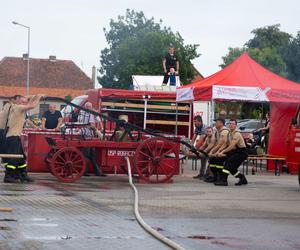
(96, 213)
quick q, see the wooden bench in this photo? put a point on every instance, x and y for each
(278, 162)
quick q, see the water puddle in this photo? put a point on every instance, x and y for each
(5, 228)
(201, 237)
(14, 220)
(12, 194)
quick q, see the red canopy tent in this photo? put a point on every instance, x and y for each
(246, 80)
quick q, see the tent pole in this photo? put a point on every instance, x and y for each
(190, 120)
(176, 125)
(145, 111)
(262, 112)
(212, 112)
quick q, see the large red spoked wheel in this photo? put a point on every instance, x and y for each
(156, 160)
(68, 164)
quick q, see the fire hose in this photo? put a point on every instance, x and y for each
(140, 220)
(127, 125)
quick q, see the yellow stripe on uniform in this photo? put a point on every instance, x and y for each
(226, 171)
(237, 173)
(212, 165)
(23, 166)
(10, 166)
(219, 166)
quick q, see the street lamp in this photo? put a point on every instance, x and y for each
(28, 49)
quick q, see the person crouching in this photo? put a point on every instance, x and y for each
(235, 154)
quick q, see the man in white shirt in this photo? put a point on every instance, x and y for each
(88, 132)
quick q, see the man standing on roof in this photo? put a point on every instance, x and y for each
(170, 62)
(16, 168)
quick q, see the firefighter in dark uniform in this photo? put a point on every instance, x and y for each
(235, 155)
(215, 162)
(3, 124)
(15, 169)
(4, 113)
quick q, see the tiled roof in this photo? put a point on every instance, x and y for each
(44, 73)
(54, 92)
(198, 75)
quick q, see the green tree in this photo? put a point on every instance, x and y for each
(269, 37)
(267, 47)
(136, 46)
(292, 58)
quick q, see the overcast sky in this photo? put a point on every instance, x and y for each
(74, 29)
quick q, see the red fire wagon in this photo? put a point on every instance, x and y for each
(147, 141)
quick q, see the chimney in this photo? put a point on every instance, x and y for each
(52, 59)
(94, 75)
(25, 56)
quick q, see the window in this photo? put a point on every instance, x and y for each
(43, 108)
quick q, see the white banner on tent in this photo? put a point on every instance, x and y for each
(240, 93)
(184, 94)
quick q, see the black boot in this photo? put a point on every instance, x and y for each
(242, 181)
(9, 177)
(223, 179)
(219, 175)
(213, 178)
(24, 176)
(209, 179)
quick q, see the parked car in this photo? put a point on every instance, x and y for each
(249, 126)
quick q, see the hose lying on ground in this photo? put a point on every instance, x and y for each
(140, 220)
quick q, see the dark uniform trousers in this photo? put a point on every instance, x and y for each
(89, 154)
(2, 141)
(3, 146)
(233, 161)
(216, 165)
(14, 146)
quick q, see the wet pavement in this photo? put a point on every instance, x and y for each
(96, 213)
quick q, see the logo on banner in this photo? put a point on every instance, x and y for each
(185, 94)
(198, 113)
(240, 93)
(120, 153)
